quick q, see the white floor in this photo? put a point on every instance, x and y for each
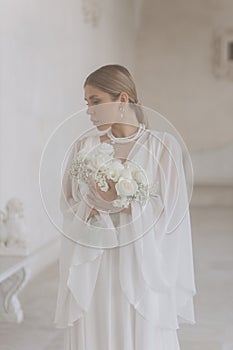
(213, 258)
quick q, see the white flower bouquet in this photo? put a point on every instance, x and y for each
(130, 181)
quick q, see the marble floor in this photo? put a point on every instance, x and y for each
(213, 257)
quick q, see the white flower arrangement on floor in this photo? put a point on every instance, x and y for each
(131, 181)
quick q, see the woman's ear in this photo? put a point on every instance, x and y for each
(124, 97)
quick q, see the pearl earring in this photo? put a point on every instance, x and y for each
(122, 110)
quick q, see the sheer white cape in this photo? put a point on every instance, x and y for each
(156, 271)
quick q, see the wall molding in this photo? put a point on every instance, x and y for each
(223, 54)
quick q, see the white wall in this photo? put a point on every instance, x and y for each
(48, 47)
(175, 77)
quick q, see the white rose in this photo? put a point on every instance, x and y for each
(98, 160)
(126, 173)
(132, 167)
(113, 171)
(106, 148)
(126, 187)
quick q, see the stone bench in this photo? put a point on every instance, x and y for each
(15, 271)
(14, 274)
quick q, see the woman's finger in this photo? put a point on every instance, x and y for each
(92, 213)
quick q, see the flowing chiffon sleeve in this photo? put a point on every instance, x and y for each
(176, 245)
(158, 279)
(78, 265)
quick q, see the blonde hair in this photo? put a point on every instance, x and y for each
(114, 79)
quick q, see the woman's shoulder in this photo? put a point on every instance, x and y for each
(167, 141)
(165, 136)
(84, 141)
(155, 132)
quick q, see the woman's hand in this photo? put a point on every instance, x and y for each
(92, 213)
(110, 194)
(102, 200)
(96, 198)
(127, 210)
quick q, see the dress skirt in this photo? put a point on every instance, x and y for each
(111, 322)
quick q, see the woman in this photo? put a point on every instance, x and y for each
(131, 286)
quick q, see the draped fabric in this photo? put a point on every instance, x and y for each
(140, 268)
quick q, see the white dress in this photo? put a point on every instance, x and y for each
(135, 295)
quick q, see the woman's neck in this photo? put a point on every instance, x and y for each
(124, 130)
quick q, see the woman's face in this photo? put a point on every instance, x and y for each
(102, 116)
